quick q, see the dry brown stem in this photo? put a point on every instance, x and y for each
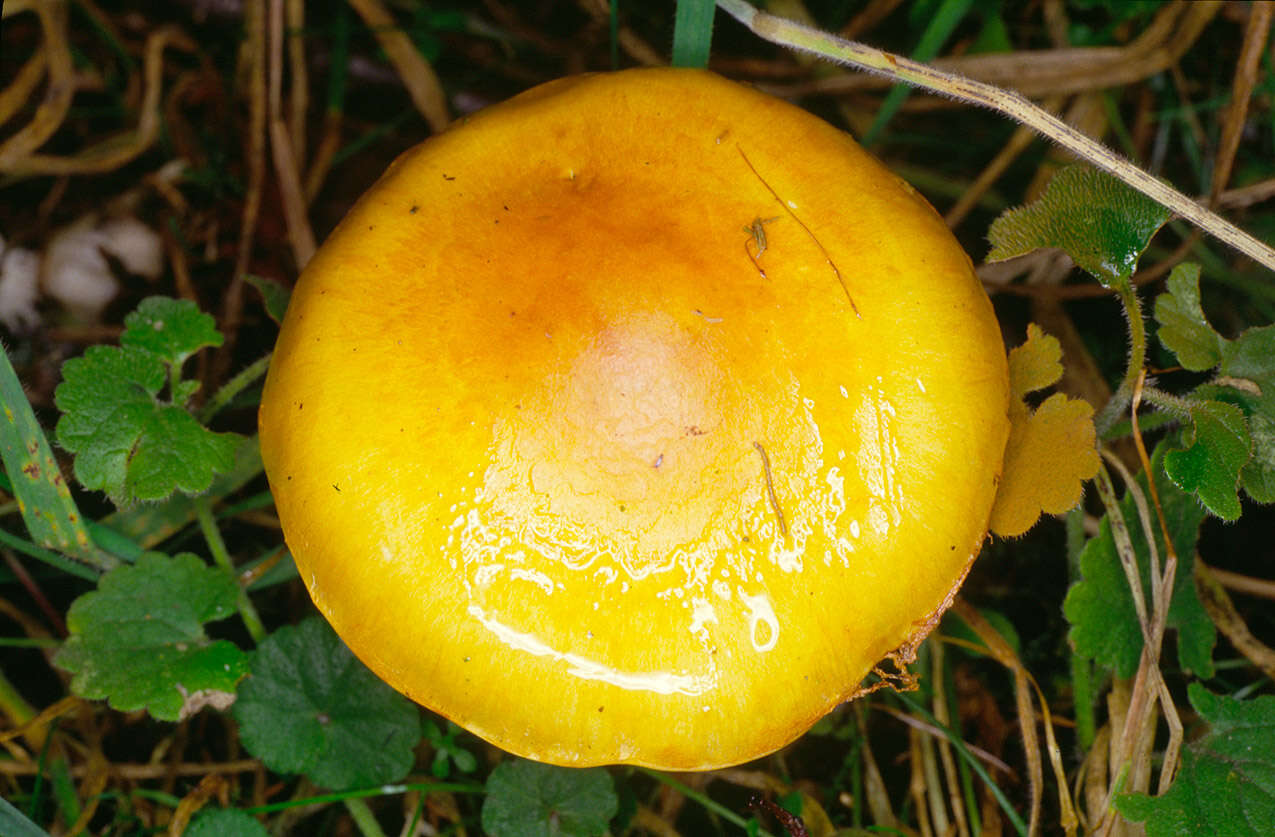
(57, 100)
(417, 75)
(300, 234)
(1210, 586)
(1255, 35)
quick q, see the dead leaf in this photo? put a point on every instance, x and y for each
(1051, 450)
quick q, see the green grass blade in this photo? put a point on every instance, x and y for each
(692, 33)
(42, 492)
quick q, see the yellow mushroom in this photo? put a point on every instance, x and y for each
(634, 420)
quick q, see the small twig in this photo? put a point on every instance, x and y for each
(1014, 105)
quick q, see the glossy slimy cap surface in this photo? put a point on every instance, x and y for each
(634, 419)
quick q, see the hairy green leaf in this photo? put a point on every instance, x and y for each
(1104, 624)
(1248, 373)
(127, 441)
(1218, 447)
(171, 329)
(1183, 327)
(1103, 224)
(274, 296)
(528, 799)
(1226, 782)
(224, 822)
(311, 707)
(138, 640)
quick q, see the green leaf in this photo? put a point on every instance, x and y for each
(1258, 475)
(1183, 327)
(274, 296)
(224, 822)
(1099, 607)
(151, 523)
(1248, 371)
(171, 329)
(1226, 782)
(693, 32)
(528, 799)
(447, 750)
(1100, 222)
(128, 443)
(138, 640)
(43, 496)
(311, 707)
(1210, 464)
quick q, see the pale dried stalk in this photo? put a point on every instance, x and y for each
(918, 782)
(1255, 35)
(1243, 583)
(1062, 70)
(418, 76)
(1009, 103)
(878, 798)
(253, 56)
(299, 91)
(943, 716)
(1024, 684)
(1132, 744)
(300, 234)
(1222, 611)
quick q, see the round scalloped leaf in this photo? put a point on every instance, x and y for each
(311, 707)
(173, 329)
(1210, 464)
(126, 442)
(224, 822)
(138, 640)
(529, 799)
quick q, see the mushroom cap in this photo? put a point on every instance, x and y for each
(634, 420)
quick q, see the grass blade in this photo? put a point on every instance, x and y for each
(42, 492)
(692, 33)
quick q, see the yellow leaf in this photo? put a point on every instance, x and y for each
(1034, 365)
(1051, 450)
